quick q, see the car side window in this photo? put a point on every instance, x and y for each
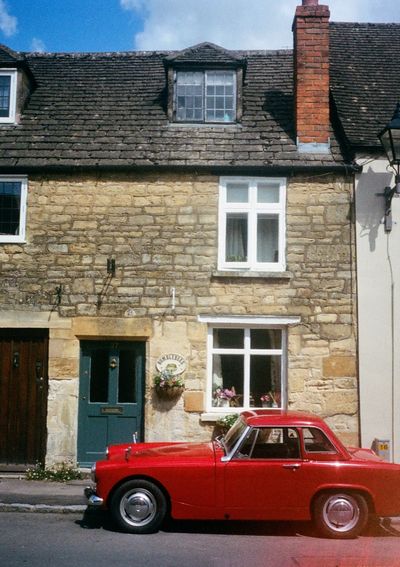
(270, 443)
(315, 441)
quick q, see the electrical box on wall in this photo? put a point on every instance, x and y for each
(382, 448)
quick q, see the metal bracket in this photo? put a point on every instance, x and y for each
(388, 194)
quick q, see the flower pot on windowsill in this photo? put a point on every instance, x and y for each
(223, 403)
(169, 392)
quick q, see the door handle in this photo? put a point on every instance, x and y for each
(293, 466)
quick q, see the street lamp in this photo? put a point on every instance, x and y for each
(390, 140)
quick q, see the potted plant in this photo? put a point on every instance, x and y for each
(225, 397)
(269, 400)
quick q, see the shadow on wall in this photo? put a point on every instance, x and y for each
(370, 205)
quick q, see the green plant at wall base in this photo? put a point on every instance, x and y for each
(62, 472)
(226, 422)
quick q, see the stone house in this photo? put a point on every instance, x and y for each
(189, 212)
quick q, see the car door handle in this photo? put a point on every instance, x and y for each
(293, 466)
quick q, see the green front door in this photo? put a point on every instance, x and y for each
(110, 396)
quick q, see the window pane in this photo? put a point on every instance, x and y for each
(237, 193)
(228, 377)
(228, 338)
(219, 96)
(276, 443)
(5, 88)
(267, 238)
(189, 100)
(126, 378)
(267, 193)
(265, 381)
(266, 338)
(10, 203)
(99, 376)
(316, 441)
(236, 238)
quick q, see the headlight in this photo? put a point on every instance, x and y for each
(93, 473)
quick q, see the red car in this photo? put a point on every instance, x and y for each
(271, 465)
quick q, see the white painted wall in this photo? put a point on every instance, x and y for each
(378, 272)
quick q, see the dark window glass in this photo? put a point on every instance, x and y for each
(5, 89)
(10, 203)
(99, 376)
(266, 338)
(126, 378)
(228, 338)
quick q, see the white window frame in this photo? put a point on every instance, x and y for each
(252, 208)
(18, 238)
(204, 119)
(246, 323)
(12, 73)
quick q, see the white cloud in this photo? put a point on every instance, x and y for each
(37, 45)
(238, 24)
(8, 23)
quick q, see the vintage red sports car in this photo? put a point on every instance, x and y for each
(271, 465)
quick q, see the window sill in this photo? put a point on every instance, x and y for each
(249, 274)
(219, 125)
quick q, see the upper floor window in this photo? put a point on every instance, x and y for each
(252, 224)
(13, 192)
(8, 88)
(205, 96)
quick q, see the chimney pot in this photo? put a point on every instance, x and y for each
(310, 2)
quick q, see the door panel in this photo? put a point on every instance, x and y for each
(111, 396)
(23, 392)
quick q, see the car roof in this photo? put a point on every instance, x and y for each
(282, 417)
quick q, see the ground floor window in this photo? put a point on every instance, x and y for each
(247, 364)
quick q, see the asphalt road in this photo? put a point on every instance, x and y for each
(72, 540)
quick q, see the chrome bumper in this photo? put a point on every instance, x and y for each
(93, 499)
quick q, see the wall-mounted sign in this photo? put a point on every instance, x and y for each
(174, 364)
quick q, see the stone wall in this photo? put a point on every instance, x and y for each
(162, 232)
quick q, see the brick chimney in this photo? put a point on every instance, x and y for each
(311, 77)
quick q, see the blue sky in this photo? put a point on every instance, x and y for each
(122, 25)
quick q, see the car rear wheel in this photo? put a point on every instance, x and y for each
(138, 507)
(340, 515)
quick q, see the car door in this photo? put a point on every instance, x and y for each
(264, 479)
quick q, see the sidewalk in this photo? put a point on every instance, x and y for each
(19, 494)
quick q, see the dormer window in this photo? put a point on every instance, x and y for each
(206, 96)
(205, 85)
(8, 88)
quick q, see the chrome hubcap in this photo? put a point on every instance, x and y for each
(138, 507)
(341, 512)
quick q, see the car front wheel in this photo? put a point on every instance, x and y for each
(340, 515)
(138, 507)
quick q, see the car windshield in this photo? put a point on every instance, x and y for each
(233, 435)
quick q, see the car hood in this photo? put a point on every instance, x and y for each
(168, 451)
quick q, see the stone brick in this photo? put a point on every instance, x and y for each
(337, 366)
(194, 401)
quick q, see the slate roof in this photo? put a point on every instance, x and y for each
(110, 109)
(365, 78)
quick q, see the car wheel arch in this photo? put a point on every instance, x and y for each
(140, 477)
(361, 491)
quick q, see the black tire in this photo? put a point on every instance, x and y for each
(138, 507)
(340, 515)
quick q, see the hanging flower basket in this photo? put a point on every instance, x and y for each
(168, 386)
(169, 392)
